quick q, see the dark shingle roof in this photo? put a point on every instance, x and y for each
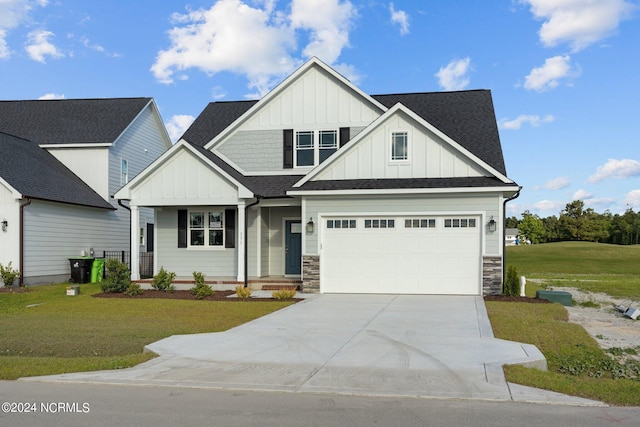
(36, 173)
(467, 117)
(214, 119)
(70, 121)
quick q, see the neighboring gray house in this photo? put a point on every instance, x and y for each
(343, 191)
(60, 163)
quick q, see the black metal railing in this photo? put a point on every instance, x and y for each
(146, 261)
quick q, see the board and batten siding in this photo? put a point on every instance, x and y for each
(53, 232)
(9, 239)
(219, 262)
(407, 204)
(429, 156)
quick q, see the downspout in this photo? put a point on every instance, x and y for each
(26, 202)
(246, 242)
(504, 229)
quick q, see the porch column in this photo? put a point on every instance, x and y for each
(135, 242)
(241, 240)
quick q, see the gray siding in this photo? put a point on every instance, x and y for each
(182, 261)
(56, 231)
(140, 144)
(255, 151)
(252, 241)
(264, 241)
(458, 204)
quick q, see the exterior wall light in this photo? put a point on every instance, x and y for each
(492, 224)
(4, 224)
(310, 226)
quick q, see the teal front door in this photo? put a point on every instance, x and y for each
(293, 246)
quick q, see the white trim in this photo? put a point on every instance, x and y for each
(15, 193)
(397, 191)
(313, 61)
(77, 145)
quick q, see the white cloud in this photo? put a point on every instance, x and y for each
(548, 206)
(401, 18)
(178, 125)
(52, 96)
(549, 75)
(632, 199)
(14, 13)
(257, 42)
(557, 183)
(533, 120)
(39, 47)
(616, 169)
(329, 23)
(582, 194)
(578, 22)
(454, 75)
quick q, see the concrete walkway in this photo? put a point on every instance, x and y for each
(379, 345)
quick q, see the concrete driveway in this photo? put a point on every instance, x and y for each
(383, 345)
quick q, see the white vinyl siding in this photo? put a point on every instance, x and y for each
(428, 155)
(9, 239)
(89, 164)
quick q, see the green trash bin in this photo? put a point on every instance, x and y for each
(96, 270)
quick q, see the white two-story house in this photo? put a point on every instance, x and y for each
(344, 191)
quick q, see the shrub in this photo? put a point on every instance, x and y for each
(511, 284)
(163, 281)
(284, 294)
(243, 293)
(133, 289)
(201, 289)
(117, 277)
(8, 274)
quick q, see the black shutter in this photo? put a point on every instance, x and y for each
(182, 228)
(287, 148)
(230, 228)
(345, 135)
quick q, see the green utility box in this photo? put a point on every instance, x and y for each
(560, 297)
(96, 270)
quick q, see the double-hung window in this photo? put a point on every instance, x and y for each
(399, 146)
(206, 229)
(314, 147)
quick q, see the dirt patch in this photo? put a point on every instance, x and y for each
(597, 315)
(185, 295)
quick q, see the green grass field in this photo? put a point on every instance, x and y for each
(577, 366)
(47, 332)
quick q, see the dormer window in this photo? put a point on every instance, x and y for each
(314, 147)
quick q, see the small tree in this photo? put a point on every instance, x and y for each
(8, 275)
(511, 284)
(117, 277)
(201, 289)
(163, 281)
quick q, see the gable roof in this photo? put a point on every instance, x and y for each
(70, 121)
(214, 119)
(467, 117)
(35, 173)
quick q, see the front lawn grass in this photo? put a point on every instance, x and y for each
(574, 358)
(44, 331)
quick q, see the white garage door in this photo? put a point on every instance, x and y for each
(404, 255)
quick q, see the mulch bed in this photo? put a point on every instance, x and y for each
(506, 298)
(186, 295)
(17, 290)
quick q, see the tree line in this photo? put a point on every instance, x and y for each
(577, 223)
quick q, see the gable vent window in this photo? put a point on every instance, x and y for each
(124, 172)
(399, 146)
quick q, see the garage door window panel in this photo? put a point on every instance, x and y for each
(379, 223)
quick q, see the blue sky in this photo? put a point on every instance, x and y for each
(563, 73)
